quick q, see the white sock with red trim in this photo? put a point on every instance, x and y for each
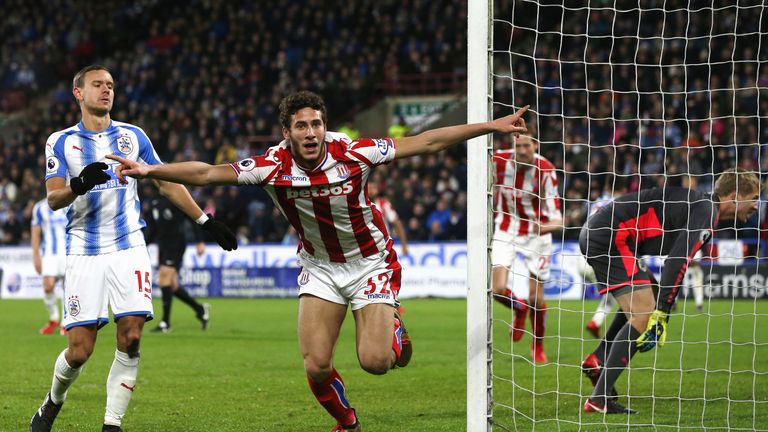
(120, 385)
(63, 377)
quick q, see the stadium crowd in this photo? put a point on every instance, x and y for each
(203, 78)
(671, 93)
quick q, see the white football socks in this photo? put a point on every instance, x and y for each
(697, 284)
(51, 305)
(603, 309)
(120, 384)
(63, 376)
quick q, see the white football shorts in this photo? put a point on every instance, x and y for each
(121, 281)
(54, 265)
(537, 251)
(375, 279)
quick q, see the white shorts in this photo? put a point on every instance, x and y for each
(537, 251)
(119, 280)
(54, 265)
(375, 279)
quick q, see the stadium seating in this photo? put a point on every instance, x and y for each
(204, 82)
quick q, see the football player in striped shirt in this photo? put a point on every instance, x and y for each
(48, 240)
(107, 261)
(318, 181)
(527, 212)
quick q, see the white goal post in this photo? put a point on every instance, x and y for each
(479, 225)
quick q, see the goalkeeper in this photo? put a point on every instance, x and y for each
(671, 221)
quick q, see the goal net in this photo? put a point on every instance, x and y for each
(624, 96)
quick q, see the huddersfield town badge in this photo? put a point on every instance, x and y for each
(73, 305)
(124, 144)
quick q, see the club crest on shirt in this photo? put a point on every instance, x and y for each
(124, 144)
(52, 165)
(73, 306)
(383, 145)
(342, 171)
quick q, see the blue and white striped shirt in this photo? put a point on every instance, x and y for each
(53, 225)
(108, 217)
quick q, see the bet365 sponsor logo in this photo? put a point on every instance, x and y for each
(320, 191)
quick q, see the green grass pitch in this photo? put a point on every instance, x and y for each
(245, 373)
(711, 374)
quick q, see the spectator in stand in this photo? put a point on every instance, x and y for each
(439, 220)
(398, 129)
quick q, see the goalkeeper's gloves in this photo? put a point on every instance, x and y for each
(92, 175)
(221, 233)
(655, 333)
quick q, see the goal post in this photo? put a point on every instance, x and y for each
(642, 93)
(479, 226)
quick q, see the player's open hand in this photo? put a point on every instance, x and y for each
(514, 124)
(128, 168)
(655, 333)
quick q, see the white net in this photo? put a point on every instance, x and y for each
(629, 95)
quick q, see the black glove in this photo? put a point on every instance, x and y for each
(223, 235)
(92, 175)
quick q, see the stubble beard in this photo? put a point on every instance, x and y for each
(97, 111)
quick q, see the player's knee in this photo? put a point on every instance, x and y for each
(78, 354)
(128, 342)
(132, 348)
(317, 371)
(499, 289)
(376, 363)
(48, 285)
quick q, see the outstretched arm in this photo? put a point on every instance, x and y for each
(194, 173)
(180, 197)
(436, 140)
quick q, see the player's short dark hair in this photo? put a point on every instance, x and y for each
(290, 105)
(738, 180)
(79, 79)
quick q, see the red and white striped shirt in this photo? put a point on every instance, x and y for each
(329, 206)
(524, 196)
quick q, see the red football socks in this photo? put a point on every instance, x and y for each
(332, 395)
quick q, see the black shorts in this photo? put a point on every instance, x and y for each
(614, 261)
(171, 254)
